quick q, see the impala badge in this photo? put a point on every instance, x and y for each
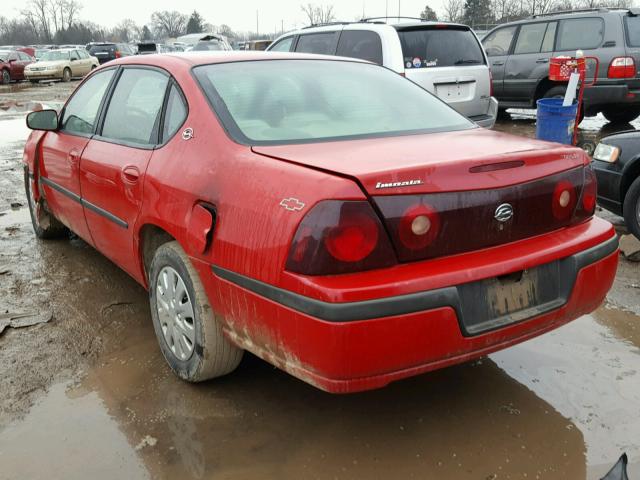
(503, 213)
(292, 204)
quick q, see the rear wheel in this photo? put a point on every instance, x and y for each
(621, 114)
(45, 225)
(6, 77)
(559, 92)
(631, 208)
(188, 331)
(66, 75)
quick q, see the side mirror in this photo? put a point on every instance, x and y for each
(43, 120)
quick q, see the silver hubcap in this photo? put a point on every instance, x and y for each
(175, 313)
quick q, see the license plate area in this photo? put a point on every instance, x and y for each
(500, 301)
(454, 91)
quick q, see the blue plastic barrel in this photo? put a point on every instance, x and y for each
(555, 122)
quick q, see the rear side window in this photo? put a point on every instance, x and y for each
(427, 48)
(632, 25)
(137, 100)
(322, 43)
(361, 44)
(176, 113)
(283, 45)
(79, 115)
(580, 33)
(498, 43)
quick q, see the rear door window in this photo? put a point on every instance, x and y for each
(530, 38)
(632, 25)
(498, 42)
(136, 101)
(580, 34)
(439, 47)
(321, 43)
(362, 44)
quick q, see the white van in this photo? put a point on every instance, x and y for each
(446, 59)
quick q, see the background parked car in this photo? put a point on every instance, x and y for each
(211, 44)
(616, 162)
(257, 44)
(444, 58)
(61, 65)
(12, 65)
(108, 51)
(519, 54)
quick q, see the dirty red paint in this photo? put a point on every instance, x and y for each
(261, 194)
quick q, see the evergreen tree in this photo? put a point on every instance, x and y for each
(477, 12)
(429, 14)
(146, 33)
(195, 23)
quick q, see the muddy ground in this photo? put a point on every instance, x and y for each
(86, 393)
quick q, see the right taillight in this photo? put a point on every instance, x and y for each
(587, 205)
(563, 200)
(622, 67)
(340, 237)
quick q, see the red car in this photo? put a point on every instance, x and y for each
(325, 214)
(12, 63)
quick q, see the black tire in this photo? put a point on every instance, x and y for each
(621, 114)
(34, 81)
(558, 92)
(45, 225)
(66, 75)
(631, 208)
(6, 77)
(212, 354)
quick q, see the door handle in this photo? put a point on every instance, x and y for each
(130, 174)
(542, 60)
(73, 157)
(498, 63)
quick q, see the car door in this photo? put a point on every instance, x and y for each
(529, 60)
(114, 163)
(497, 45)
(23, 60)
(62, 149)
(16, 68)
(77, 69)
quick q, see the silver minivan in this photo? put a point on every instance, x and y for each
(446, 59)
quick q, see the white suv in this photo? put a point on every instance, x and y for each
(446, 59)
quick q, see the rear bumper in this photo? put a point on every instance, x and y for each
(487, 120)
(610, 95)
(353, 346)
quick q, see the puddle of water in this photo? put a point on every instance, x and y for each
(70, 438)
(589, 371)
(14, 129)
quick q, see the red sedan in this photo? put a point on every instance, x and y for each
(12, 63)
(325, 214)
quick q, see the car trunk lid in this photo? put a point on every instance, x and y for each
(473, 159)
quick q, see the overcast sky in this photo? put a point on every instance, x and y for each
(238, 14)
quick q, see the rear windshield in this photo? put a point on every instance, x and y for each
(633, 31)
(102, 48)
(213, 45)
(439, 47)
(298, 101)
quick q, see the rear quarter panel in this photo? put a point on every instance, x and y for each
(253, 231)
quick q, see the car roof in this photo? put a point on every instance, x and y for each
(586, 12)
(231, 56)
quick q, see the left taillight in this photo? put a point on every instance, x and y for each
(118, 54)
(339, 236)
(622, 67)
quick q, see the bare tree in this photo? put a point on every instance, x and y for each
(454, 10)
(169, 23)
(318, 13)
(36, 12)
(506, 10)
